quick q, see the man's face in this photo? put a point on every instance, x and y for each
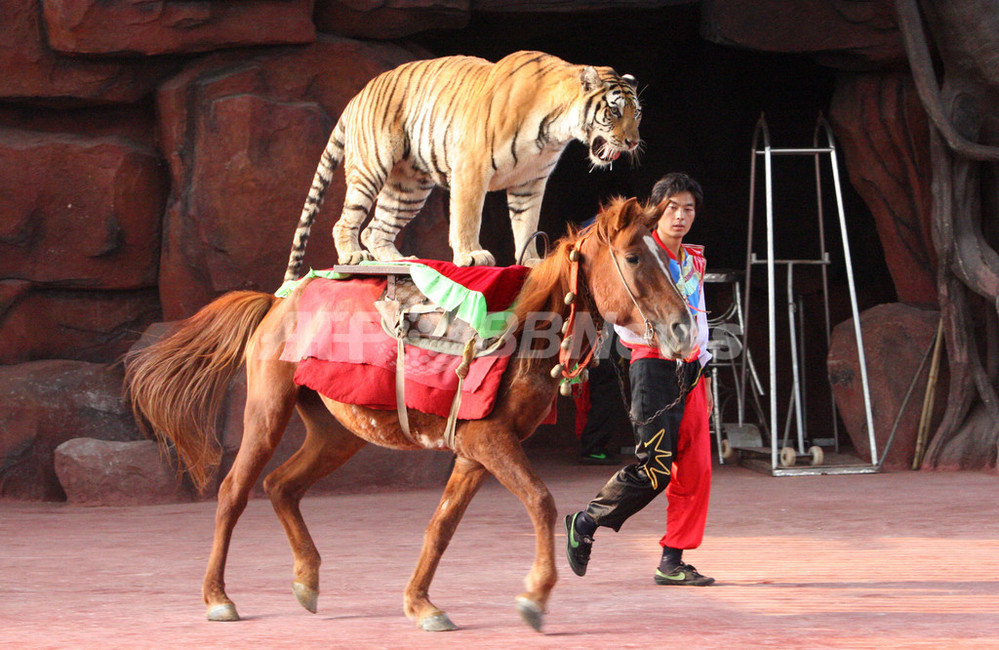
(678, 216)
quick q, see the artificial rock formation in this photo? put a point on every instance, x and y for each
(389, 19)
(96, 472)
(34, 72)
(79, 211)
(896, 338)
(129, 27)
(46, 403)
(881, 126)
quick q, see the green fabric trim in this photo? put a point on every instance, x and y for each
(468, 305)
(285, 290)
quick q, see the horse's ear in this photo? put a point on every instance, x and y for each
(628, 212)
(650, 215)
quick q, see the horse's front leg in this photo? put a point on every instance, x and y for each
(502, 454)
(465, 480)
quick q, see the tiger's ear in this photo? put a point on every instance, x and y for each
(630, 80)
(590, 78)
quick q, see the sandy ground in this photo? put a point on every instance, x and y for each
(863, 561)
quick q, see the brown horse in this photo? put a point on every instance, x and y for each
(176, 385)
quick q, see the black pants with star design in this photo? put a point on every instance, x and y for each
(655, 385)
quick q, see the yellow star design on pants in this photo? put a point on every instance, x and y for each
(659, 461)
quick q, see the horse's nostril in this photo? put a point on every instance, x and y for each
(680, 330)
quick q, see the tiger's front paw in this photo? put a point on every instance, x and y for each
(356, 257)
(475, 258)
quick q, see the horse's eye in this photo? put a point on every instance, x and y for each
(632, 259)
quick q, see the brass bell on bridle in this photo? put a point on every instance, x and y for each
(565, 388)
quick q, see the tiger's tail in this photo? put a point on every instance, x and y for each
(332, 155)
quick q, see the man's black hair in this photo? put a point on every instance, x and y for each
(674, 183)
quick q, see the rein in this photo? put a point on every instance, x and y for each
(565, 348)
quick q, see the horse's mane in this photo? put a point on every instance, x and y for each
(546, 285)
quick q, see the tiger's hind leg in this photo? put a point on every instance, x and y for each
(362, 188)
(399, 201)
(327, 446)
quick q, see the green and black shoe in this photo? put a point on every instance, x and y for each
(577, 547)
(682, 574)
(598, 458)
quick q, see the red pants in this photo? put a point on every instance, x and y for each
(690, 486)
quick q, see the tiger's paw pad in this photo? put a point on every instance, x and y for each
(475, 258)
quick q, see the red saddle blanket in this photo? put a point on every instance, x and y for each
(344, 353)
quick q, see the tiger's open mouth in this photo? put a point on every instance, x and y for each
(603, 150)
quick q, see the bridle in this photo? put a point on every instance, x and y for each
(650, 331)
(562, 368)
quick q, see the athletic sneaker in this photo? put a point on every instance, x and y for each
(577, 547)
(682, 574)
(599, 458)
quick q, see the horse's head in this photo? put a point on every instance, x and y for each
(628, 275)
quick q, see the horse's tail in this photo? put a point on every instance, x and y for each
(176, 384)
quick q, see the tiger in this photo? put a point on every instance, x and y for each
(469, 126)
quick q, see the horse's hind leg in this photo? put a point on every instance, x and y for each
(502, 454)
(465, 480)
(264, 420)
(327, 446)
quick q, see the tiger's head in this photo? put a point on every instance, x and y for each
(612, 115)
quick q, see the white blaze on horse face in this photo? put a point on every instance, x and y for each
(669, 345)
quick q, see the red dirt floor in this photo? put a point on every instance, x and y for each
(902, 559)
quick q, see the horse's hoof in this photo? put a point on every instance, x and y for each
(306, 596)
(223, 612)
(437, 623)
(531, 612)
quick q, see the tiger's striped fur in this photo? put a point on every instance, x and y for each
(470, 126)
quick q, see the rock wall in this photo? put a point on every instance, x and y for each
(153, 155)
